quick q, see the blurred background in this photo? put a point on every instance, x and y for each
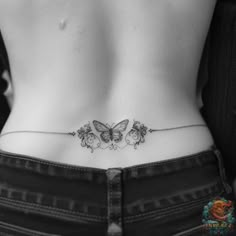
(217, 77)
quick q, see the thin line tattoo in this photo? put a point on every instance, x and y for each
(104, 136)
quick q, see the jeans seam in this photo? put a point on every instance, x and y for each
(35, 159)
(184, 202)
(110, 201)
(38, 201)
(114, 208)
(170, 208)
(37, 207)
(19, 229)
(190, 230)
(221, 167)
(176, 159)
(55, 164)
(171, 212)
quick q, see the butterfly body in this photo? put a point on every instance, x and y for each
(109, 134)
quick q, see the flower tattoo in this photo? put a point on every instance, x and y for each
(111, 137)
(136, 135)
(88, 138)
(118, 136)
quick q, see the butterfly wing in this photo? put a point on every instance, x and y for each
(100, 127)
(117, 129)
(106, 136)
(105, 131)
(121, 126)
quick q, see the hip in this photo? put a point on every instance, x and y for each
(47, 198)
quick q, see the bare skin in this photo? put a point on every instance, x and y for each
(74, 61)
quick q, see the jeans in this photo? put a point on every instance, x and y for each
(45, 198)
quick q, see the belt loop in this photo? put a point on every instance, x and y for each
(114, 204)
(227, 187)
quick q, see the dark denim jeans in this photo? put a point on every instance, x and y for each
(45, 198)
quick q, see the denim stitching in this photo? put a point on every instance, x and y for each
(71, 205)
(114, 182)
(109, 199)
(119, 200)
(154, 200)
(67, 166)
(36, 206)
(173, 160)
(164, 212)
(194, 229)
(170, 207)
(39, 197)
(29, 232)
(51, 163)
(50, 172)
(227, 187)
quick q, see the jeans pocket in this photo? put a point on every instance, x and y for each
(194, 231)
(14, 230)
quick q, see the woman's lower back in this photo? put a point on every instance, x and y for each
(134, 61)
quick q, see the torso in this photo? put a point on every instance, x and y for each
(114, 60)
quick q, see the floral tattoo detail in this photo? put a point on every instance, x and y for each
(118, 136)
(88, 138)
(104, 136)
(113, 137)
(136, 135)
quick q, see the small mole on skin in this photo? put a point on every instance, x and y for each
(62, 24)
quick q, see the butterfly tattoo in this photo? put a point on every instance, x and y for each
(111, 133)
(114, 137)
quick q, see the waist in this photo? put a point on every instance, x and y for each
(156, 107)
(63, 104)
(115, 149)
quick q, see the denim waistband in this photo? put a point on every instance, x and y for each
(29, 182)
